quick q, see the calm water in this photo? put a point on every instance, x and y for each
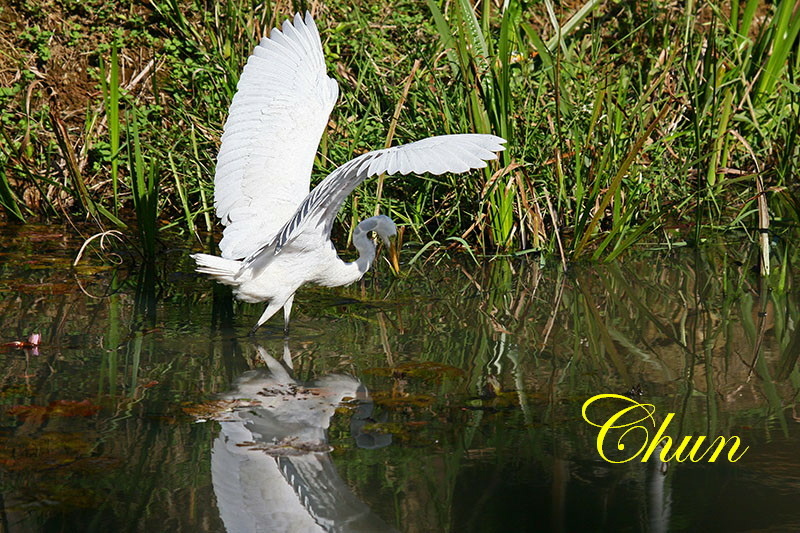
(448, 400)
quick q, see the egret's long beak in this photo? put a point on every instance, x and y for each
(394, 254)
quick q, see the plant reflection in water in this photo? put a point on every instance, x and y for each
(479, 371)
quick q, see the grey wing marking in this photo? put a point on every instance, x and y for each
(322, 204)
(325, 200)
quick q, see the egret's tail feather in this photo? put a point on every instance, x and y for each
(219, 268)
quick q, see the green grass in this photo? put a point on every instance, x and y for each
(111, 96)
(629, 124)
(8, 199)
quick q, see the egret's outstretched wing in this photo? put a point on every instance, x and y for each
(280, 110)
(435, 155)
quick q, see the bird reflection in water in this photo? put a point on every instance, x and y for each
(270, 465)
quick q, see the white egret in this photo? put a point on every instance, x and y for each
(277, 234)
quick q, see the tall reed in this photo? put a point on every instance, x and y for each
(144, 185)
(109, 81)
(487, 89)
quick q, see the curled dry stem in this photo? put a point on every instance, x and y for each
(102, 235)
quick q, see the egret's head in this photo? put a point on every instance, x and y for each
(386, 230)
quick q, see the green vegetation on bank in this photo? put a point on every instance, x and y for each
(627, 122)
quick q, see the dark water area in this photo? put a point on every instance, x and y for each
(449, 399)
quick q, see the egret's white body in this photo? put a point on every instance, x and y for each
(277, 233)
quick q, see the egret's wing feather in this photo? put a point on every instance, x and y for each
(280, 110)
(435, 155)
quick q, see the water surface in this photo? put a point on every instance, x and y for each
(447, 400)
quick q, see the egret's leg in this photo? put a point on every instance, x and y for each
(287, 310)
(271, 309)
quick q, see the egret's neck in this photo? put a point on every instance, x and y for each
(366, 253)
(342, 273)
